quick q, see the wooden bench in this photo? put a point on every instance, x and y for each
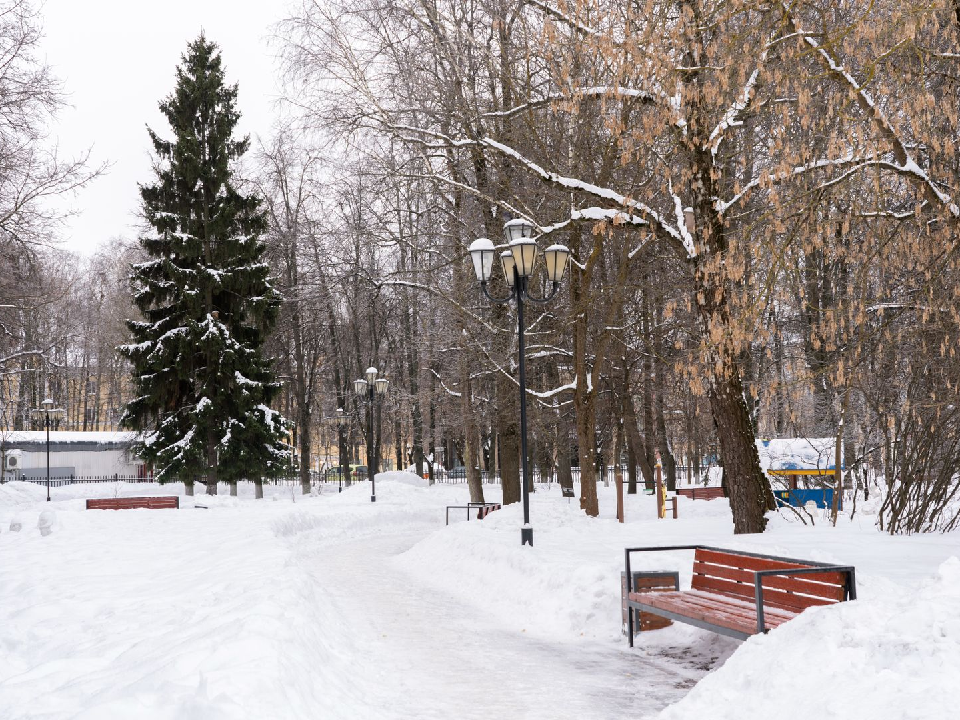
(740, 594)
(701, 493)
(128, 503)
(483, 509)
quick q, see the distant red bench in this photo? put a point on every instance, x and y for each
(127, 503)
(701, 493)
(741, 594)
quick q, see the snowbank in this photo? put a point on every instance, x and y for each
(332, 606)
(886, 658)
(405, 477)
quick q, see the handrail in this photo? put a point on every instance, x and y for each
(850, 586)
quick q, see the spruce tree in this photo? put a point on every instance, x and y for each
(203, 387)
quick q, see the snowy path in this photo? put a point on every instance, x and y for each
(428, 655)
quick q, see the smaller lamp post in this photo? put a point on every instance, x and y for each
(46, 411)
(341, 419)
(368, 390)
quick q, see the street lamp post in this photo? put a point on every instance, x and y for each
(341, 443)
(518, 262)
(45, 411)
(368, 390)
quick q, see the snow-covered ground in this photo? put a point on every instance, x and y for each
(331, 606)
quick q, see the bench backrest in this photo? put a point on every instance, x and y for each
(732, 574)
(126, 503)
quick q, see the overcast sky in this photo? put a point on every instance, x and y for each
(117, 60)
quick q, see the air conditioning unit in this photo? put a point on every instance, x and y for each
(12, 460)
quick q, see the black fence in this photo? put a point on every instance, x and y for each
(685, 476)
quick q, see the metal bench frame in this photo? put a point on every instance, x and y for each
(850, 587)
(471, 506)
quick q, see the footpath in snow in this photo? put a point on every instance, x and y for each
(335, 607)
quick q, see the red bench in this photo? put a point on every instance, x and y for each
(127, 503)
(740, 594)
(701, 493)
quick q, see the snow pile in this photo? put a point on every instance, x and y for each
(797, 453)
(21, 493)
(893, 657)
(405, 477)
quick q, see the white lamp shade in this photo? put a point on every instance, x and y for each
(371, 374)
(382, 385)
(524, 256)
(360, 386)
(556, 257)
(482, 252)
(517, 229)
(506, 260)
(340, 416)
(47, 404)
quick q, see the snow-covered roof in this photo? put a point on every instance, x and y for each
(30, 438)
(797, 453)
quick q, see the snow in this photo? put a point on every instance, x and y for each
(797, 453)
(330, 606)
(400, 476)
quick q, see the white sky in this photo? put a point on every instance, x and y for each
(117, 60)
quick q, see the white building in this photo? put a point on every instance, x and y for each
(23, 455)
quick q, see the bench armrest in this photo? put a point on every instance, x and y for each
(850, 588)
(628, 575)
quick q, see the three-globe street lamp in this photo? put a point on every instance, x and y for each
(518, 263)
(45, 411)
(368, 390)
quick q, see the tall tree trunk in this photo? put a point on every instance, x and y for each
(470, 433)
(636, 444)
(211, 464)
(509, 431)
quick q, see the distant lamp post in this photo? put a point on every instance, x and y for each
(47, 412)
(368, 390)
(518, 263)
(341, 420)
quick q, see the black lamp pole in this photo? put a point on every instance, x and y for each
(518, 263)
(371, 458)
(45, 410)
(46, 421)
(341, 445)
(367, 390)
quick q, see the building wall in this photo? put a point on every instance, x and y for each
(85, 462)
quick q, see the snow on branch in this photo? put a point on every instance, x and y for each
(444, 385)
(599, 91)
(734, 114)
(722, 206)
(566, 19)
(905, 163)
(617, 217)
(649, 214)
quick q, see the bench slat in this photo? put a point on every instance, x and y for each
(736, 606)
(745, 562)
(713, 610)
(796, 584)
(770, 597)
